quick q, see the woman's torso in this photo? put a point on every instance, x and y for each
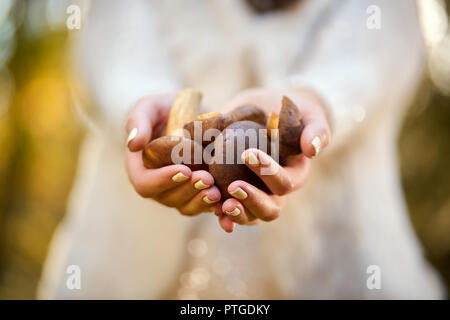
(329, 231)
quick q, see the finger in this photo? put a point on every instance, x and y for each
(143, 118)
(151, 182)
(316, 134)
(271, 173)
(226, 223)
(176, 197)
(280, 180)
(237, 212)
(259, 203)
(201, 202)
(217, 208)
(139, 125)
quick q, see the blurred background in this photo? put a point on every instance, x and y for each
(41, 132)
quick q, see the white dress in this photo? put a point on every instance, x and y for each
(350, 215)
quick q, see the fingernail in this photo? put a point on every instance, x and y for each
(316, 143)
(239, 193)
(252, 159)
(133, 133)
(180, 177)
(199, 185)
(234, 213)
(209, 201)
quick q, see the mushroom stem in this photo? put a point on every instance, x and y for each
(208, 115)
(219, 121)
(184, 109)
(158, 152)
(272, 123)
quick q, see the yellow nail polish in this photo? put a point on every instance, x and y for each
(180, 177)
(251, 159)
(132, 135)
(239, 193)
(234, 213)
(208, 201)
(199, 185)
(316, 143)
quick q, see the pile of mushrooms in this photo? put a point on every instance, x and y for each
(181, 138)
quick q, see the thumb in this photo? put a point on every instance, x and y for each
(315, 137)
(139, 125)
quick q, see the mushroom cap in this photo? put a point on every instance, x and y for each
(168, 150)
(229, 147)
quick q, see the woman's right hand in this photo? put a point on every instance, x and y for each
(177, 186)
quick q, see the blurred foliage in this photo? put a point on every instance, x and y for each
(424, 159)
(40, 138)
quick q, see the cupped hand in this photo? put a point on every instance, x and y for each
(177, 186)
(250, 204)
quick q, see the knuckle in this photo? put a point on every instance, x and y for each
(140, 188)
(241, 220)
(285, 187)
(273, 215)
(253, 222)
(166, 200)
(289, 187)
(184, 211)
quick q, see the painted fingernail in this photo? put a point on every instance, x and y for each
(239, 193)
(180, 177)
(233, 213)
(133, 133)
(209, 201)
(316, 143)
(199, 185)
(252, 159)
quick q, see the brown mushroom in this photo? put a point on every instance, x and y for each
(159, 152)
(288, 127)
(227, 166)
(243, 122)
(219, 121)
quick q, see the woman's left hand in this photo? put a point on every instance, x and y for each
(250, 204)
